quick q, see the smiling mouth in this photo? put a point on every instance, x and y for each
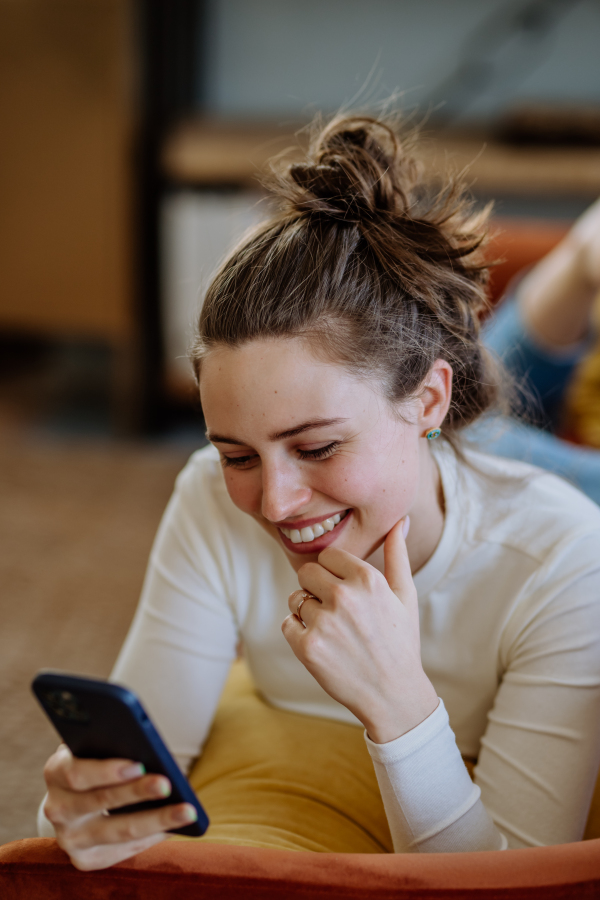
(312, 532)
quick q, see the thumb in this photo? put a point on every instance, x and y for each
(396, 563)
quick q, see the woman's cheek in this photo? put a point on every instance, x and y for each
(379, 494)
(353, 486)
(244, 490)
(342, 480)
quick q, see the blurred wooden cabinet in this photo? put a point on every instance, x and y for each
(66, 127)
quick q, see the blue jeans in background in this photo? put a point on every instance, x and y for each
(545, 376)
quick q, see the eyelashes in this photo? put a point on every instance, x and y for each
(237, 462)
(320, 453)
(242, 462)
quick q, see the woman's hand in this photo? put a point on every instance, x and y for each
(361, 641)
(80, 791)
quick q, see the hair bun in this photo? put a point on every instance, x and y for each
(329, 190)
(378, 268)
(356, 171)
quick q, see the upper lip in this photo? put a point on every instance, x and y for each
(306, 523)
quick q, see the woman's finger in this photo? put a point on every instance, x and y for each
(72, 774)
(305, 594)
(294, 599)
(396, 562)
(62, 806)
(293, 630)
(103, 856)
(304, 606)
(317, 580)
(122, 829)
(340, 563)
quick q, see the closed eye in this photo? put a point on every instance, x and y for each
(320, 452)
(236, 462)
(243, 462)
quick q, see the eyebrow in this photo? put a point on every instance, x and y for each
(279, 435)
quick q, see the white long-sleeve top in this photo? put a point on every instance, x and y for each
(510, 636)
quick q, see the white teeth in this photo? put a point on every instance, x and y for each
(308, 533)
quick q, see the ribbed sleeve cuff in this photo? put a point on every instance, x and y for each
(412, 741)
(430, 801)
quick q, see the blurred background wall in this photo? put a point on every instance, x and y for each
(67, 120)
(280, 57)
(132, 132)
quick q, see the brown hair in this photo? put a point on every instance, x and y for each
(364, 260)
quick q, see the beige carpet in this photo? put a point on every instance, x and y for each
(77, 521)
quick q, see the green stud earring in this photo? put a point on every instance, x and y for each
(433, 433)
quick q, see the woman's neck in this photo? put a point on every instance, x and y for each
(427, 514)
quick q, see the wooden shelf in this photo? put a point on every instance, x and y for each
(205, 153)
(498, 168)
(211, 153)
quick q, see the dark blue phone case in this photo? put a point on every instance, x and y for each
(100, 720)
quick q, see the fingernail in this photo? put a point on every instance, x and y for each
(187, 814)
(134, 770)
(406, 527)
(161, 788)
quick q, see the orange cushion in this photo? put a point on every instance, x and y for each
(36, 869)
(518, 244)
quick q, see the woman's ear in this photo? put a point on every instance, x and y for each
(435, 395)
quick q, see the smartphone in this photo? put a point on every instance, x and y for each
(100, 720)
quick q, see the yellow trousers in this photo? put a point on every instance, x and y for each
(269, 778)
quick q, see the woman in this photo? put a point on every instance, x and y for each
(436, 584)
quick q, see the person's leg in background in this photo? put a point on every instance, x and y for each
(541, 333)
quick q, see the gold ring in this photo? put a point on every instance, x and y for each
(307, 596)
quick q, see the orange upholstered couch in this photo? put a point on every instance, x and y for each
(516, 244)
(36, 869)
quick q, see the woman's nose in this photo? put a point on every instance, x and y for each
(284, 492)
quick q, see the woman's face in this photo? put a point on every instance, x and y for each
(312, 453)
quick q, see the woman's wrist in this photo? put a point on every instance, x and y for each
(398, 716)
(555, 298)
